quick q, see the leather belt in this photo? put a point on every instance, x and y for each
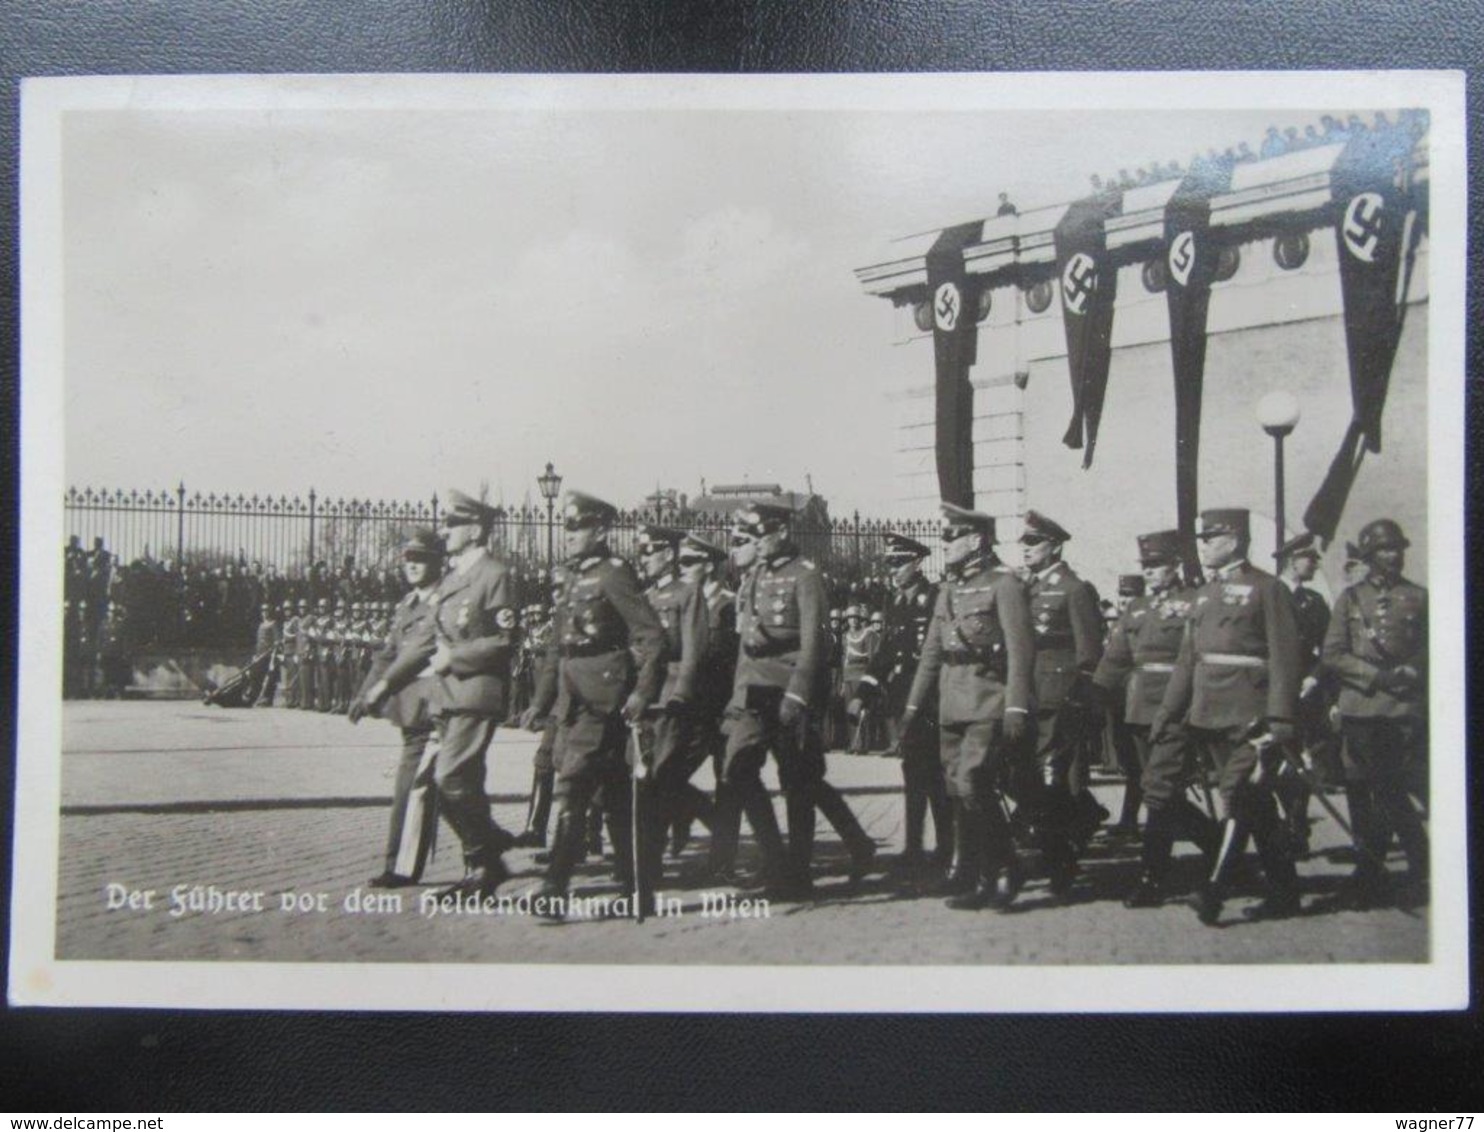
(1233, 660)
(770, 649)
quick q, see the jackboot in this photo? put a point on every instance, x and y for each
(780, 882)
(726, 831)
(959, 878)
(538, 811)
(837, 812)
(1154, 862)
(970, 894)
(1211, 897)
(566, 852)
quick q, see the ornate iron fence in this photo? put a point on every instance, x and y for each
(292, 533)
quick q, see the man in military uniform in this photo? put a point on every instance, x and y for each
(534, 643)
(700, 562)
(309, 620)
(291, 629)
(978, 653)
(398, 689)
(860, 646)
(778, 704)
(674, 754)
(884, 688)
(475, 632)
(268, 638)
(1298, 562)
(1376, 647)
(835, 731)
(1118, 755)
(322, 636)
(1237, 672)
(601, 672)
(1069, 643)
(1138, 662)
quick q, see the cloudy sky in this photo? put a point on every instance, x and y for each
(384, 302)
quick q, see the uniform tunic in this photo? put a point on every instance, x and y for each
(681, 609)
(781, 631)
(475, 621)
(907, 616)
(1142, 650)
(1375, 628)
(1239, 662)
(979, 653)
(606, 643)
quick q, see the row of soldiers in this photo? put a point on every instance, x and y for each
(318, 655)
(994, 682)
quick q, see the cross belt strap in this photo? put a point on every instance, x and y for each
(1233, 660)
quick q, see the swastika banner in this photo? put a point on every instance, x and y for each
(1371, 182)
(1191, 256)
(954, 304)
(1088, 284)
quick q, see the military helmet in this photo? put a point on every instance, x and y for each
(1381, 534)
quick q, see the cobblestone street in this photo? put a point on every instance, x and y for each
(292, 806)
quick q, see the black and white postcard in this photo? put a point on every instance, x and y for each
(954, 543)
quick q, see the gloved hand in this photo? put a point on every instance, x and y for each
(1159, 724)
(1015, 726)
(790, 711)
(1282, 731)
(1399, 681)
(633, 707)
(854, 708)
(530, 719)
(357, 710)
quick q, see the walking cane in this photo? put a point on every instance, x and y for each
(636, 835)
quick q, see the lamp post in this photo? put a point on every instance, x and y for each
(551, 485)
(1278, 413)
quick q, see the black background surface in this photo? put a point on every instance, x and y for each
(60, 1062)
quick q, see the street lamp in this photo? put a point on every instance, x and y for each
(1278, 413)
(551, 486)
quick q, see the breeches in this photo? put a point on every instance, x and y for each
(798, 750)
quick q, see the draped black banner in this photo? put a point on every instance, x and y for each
(954, 303)
(1089, 286)
(1372, 197)
(1191, 256)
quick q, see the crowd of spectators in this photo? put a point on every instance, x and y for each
(1330, 130)
(115, 611)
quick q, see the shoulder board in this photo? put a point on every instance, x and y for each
(807, 565)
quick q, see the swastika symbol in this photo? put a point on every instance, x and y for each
(1182, 257)
(1079, 279)
(1363, 226)
(946, 304)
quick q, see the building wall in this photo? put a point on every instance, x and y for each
(1269, 329)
